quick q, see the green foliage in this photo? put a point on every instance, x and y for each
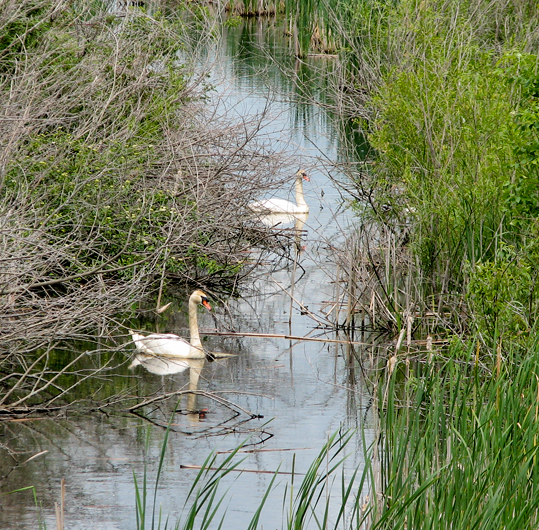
(22, 31)
(460, 451)
(110, 93)
(38, 506)
(316, 485)
(365, 24)
(84, 192)
(311, 501)
(521, 192)
(443, 136)
(311, 24)
(141, 492)
(456, 133)
(502, 294)
(233, 22)
(463, 452)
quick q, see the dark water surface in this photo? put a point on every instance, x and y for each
(301, 392)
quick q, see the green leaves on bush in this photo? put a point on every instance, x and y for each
(501, 296)
(521, 189)
(103, 102)
(456, 131)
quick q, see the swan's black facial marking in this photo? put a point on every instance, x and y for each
(303, 173)
(205, 303)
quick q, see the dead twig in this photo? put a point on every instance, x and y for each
(277, 336)
(241, 470)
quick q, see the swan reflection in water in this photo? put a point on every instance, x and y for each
(276, 220)
(161, 365)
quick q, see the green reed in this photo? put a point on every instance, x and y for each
(460, 449)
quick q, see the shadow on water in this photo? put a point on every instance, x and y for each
(283, 394)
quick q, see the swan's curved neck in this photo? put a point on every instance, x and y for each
(300, 199)
(193, 325)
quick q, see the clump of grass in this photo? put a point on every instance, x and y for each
(308, 503)
(460, 449)
(312, 501)
(204, 499)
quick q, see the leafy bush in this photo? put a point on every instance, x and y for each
(521, 191)
(115, 155)
(498, 293)
(443, 136)
(454, 124)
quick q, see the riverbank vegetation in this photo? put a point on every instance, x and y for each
(449, 107)
(310, 24)
(446, 94)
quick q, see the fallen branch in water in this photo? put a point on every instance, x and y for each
(277, 336)
(261, 450)
(183, 466)
(211, 395)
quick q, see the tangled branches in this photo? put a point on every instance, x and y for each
(116, 173)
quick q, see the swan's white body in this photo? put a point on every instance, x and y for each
(281, 219)
(283, 206)
(170, 345)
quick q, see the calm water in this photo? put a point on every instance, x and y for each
(301, 392)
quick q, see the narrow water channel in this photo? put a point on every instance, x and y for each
(299, 392)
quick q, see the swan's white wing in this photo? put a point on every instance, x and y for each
(278, 206)
(161, 344)
(273, 205)
(274, 219)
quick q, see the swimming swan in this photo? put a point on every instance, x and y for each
(283, 206)
(170, 345)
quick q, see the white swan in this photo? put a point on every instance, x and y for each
(170, 345)
(283, 206)
(283, 219)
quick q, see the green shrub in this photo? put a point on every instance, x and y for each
(455, 130)
(443, 136)
(521, 191)
(499, 294)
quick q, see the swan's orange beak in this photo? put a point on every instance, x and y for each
(206, 304)
(306, 177)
